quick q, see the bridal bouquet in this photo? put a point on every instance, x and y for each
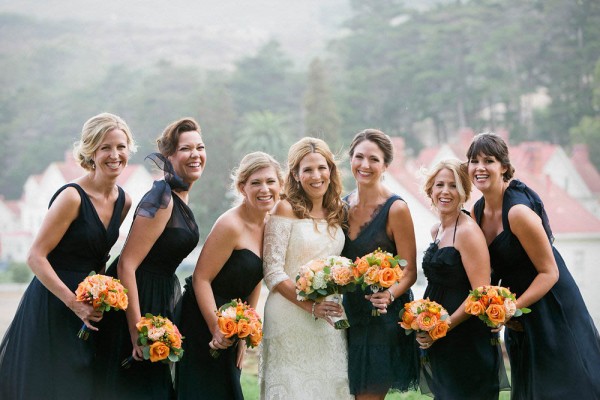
(239, 321)
(160, 340)
(103, 293)
(378, 270)
(425, 316)
(326, 280)
(494, 305)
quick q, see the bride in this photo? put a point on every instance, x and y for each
(303, 356)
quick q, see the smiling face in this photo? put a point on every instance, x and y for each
(112, 154)
(444, 192)
(367, 162)
(261, 189)
(486, 172)
(313, 175)
(189, 158)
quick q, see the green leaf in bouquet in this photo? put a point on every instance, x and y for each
(173, 357)
(148, 315)
(143, 340)
(146, 352)
(322, 292)
(525, 310)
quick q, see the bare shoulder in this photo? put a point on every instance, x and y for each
(229, 224)
(283, 209)
(469, 233)
(399, 207)
(68, 197)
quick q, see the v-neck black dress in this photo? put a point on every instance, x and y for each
(380, 355)
(199, 375)
(558, 353)
(41, 356)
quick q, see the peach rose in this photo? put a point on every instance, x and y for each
(122, 300)
(302, 284)
(474, 307)
(227, 326)
(341, 276)
(371, 275)
(496, 313)
(511, 308)
(439, 330)
(426, 321)
(398, 272)
(256, 326)
(385, 262)
(175, 339)
(496, 300)
(158, 351)
(387, 277)
(111, 299)
(81, 293)
(243, 328)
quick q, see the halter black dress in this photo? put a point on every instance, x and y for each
(159, 293)
(41, 356)
(467, 363)
(199, 375)
(558, 353)
(380, 355)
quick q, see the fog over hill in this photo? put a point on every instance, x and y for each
(214, 33)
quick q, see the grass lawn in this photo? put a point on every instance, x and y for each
(251, 392)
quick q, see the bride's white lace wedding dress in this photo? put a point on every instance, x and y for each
(301, 358)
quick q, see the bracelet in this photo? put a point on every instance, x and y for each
(313, 311)
(392, 298)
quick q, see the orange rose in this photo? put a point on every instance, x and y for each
(485, 300)
(81, 293)
(474, 307)
(407, 319)
(96, 303)
(491, 292)
(175, 339)
(385, 262)
(256, 338)
(122, 300)
(496, 300)
(439, 330)
(158, 351)
(147, 322)
(398, 272)
(256, 326)
(227, 326)
(496, 313)
(243, 328)
(387, 277)
(426, 321)
(360, 268)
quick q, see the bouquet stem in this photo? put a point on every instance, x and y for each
(342, 321)
(214, 353)
(126, 363)
(83, 333)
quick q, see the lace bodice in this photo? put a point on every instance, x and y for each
(291, 243)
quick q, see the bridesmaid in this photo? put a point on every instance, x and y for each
(380, 355)
(554, 351)
(163, 233)
(457, 261)
(41, 356)
(229, 267)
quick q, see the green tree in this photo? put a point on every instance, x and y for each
(264, 131)
(321, 118)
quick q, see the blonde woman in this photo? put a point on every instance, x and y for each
(41, 356)
(229, 267)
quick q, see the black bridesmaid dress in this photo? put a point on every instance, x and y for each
(159, 293)
(558, 353)
(467, 363)
(380, 355)
(199, 375)
(41, 356)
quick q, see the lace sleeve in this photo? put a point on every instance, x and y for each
(277, 236)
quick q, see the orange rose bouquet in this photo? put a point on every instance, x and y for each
(103, 293)
(378, 270)
(239, 321)
(326, 280)
(494, 305)
(160, 340)
(425, 316)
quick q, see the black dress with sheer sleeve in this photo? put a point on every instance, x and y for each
(199, 375)
(41, 356)
(380, 355)
(467, 363)
(557, 354)
(159, 293)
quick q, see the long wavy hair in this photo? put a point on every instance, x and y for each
(294, 193)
